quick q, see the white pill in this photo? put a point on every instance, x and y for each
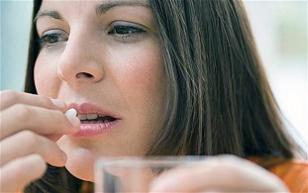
(71, 113)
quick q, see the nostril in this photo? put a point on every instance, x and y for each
(84, 74)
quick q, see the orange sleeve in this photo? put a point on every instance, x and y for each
(294, 174)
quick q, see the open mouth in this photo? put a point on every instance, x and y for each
(95, 124)
(95, 118)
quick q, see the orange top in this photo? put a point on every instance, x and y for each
(292, 172)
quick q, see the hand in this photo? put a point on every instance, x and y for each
(219, 174)
(29, 124)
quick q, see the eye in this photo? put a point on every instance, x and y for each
(125, 31)
(52, 37)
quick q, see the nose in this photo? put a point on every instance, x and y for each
(79, 63)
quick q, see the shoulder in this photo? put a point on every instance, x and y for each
(294, 173)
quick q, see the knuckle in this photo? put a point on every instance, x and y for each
(23, 112)
(61, 117)
(46, 101)
(214, 167)
(18, 166)
(40, 165)
(8, 95)
(39, 162)
(30, 137)
(228, 166)
(223, 164)
(230, 159)
(35, 160)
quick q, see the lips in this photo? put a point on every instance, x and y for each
(94, 120)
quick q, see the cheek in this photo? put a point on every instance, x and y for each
(45, 77)
(143, 73)
(144, 76)
(142, 79)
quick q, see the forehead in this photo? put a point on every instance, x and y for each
(110, 3)
(98, 6)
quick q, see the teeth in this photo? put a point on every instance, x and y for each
(91, 116)
(85, 117)
(82, 117)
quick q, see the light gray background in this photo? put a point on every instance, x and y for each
(15, 30)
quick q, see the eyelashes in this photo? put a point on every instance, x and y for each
(52, 37)
(124, 32)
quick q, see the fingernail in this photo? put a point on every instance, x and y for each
(71, 114)
(58, 103)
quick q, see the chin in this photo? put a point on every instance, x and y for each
(80, 163)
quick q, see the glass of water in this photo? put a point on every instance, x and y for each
(135, 174)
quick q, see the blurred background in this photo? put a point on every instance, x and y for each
(279, 27)
(280, 30)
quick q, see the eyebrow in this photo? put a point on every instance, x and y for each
(101, 8)
(53, 14)
(106, 6)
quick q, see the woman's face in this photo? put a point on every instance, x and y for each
(104, 58)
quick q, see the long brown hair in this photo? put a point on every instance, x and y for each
(219, 100)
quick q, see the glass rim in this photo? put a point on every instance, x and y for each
(133, 164)
(142, 161)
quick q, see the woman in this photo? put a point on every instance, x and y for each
(150, 77)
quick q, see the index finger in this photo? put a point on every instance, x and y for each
(40, 120)
(9, 98)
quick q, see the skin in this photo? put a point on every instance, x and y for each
(123, 75)
(127, 70)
